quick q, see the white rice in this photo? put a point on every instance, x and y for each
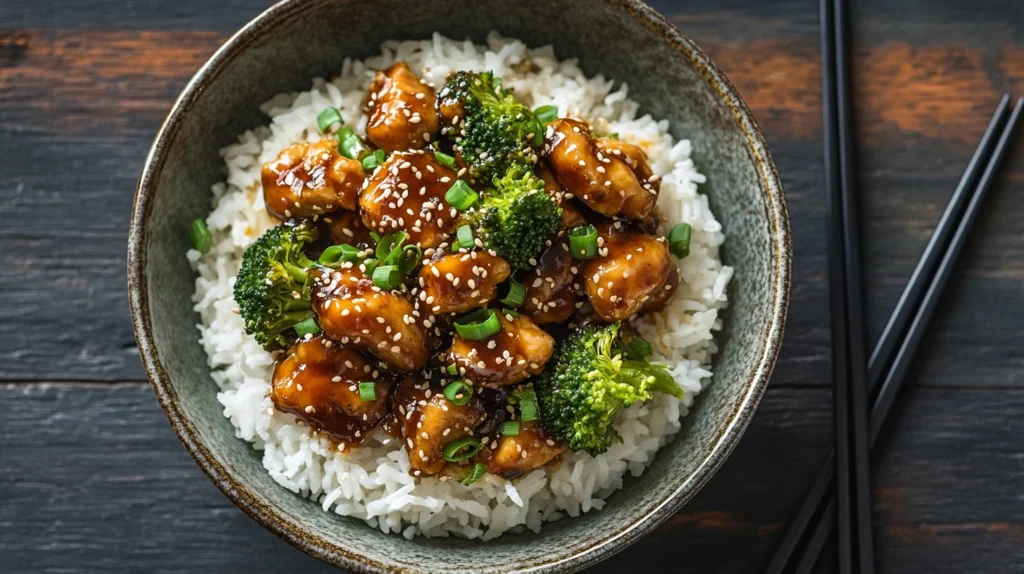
(372, 482)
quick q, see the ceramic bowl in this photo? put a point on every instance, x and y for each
(297, 40)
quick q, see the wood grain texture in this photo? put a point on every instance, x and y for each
(93, 479)
(83, 103)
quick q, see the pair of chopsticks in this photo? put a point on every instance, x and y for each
(849, 505)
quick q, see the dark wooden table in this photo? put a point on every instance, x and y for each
(93, 479)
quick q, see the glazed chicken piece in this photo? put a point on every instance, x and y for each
(407, 193)
(630, 271)
(311, 179)
(604, 182)
(401, 110)
(430, 422)
(516, 455)
(519, 351)
(461, 281)
(571, 216)
(318, 381)
(351, 310)
(634, 156)
(551, 287)
(346, 227)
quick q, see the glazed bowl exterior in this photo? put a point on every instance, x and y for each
(297, 40)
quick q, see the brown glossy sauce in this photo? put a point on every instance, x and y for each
(311, 179)
(401, 110)
(630, 269)
(518, 351)
(606, 184)
(460, 282)
(551, 287)
(355, 313)
(407, 193)
(319, 384)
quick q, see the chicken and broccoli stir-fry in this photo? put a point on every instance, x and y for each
(462, 278)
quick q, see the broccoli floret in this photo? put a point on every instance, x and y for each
(588, 382)
(273, 285)
(516, 217)
(495, 131)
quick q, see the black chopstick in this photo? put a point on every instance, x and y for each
(896, 375)
(886, 347)
(848, 358)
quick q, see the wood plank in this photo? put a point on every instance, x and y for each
(93, 99)
(92, 478)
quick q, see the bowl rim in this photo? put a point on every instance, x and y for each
(275, 521)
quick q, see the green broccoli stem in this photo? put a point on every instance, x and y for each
(657, 376)
(299, 304)
(297, 273)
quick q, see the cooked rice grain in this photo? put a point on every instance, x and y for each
(372, 482)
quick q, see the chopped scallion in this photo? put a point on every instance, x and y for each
(445, 159)
(638, 348)
(546, 114)
(453, 369)
(478, 472)
(386, 276)
(336, 254)
(528, 404)
(465, 235)
(510, 428)
(516, 294)
(409, 259)
(368, 392)
(350, 145)
(373, 161)
(461, 449)
(460, 195)
(307, 327)
(479, 325)
(199, 233)
(679, 240)
(458, 392)
(328, 119)
(583, 241)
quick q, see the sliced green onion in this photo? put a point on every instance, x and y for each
(388, 245)
(583, 241)
(528, 404)
(387, 276)
(478, 325)
(336, 254)
(374, 160)
(349, 144)
(465, 235)
(679, 240)
(453, 369)
(458, 392)
(516, 294)
(460, 195)
(479, 470)
(409, 259)
(546, 114)
(371, 267)
(461, 449)
(368, 392)
(307, 327)
(639, 348)
(538, 133)
(444, 159)
(510, 428)
(328, 118)
(199, 233)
